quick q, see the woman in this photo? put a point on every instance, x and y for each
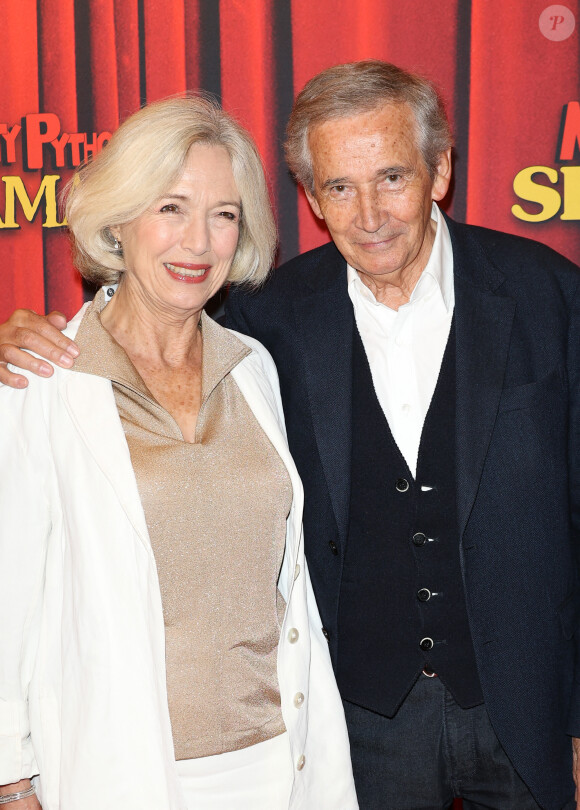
(160, 644)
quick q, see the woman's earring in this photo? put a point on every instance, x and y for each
(116, 244)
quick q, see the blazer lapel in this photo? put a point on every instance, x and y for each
(325, 323)
(483, 322)
(91, 404)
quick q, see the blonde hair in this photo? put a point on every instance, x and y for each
(346, 90)
(143, 159)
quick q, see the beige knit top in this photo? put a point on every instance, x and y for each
(216, 512)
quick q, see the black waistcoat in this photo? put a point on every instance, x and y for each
(402, 603)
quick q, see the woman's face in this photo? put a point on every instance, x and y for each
(179, 252)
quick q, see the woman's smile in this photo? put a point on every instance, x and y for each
(188, 273)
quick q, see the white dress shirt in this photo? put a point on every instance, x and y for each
(405, 347)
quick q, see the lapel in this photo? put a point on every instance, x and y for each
(325, 323)
(483, 321)
(90, 403)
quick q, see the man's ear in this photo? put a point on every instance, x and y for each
(442, 177)
(313, 204)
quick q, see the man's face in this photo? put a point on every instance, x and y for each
(373, 190)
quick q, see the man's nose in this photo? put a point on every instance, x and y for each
(370, 215)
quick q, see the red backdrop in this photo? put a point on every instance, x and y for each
(93, 62)
(90, 63)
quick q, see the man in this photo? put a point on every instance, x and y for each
(430, 378)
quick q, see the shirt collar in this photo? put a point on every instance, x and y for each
(438, 270)
(101, 355)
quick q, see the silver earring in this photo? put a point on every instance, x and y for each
(116, 244)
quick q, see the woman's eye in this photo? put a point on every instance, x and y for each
(170, 208)
(229, 215)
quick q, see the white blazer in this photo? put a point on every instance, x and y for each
(83, 696)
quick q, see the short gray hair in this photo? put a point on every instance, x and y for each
(143, 159)
(346, 90)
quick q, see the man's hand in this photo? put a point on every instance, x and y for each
(576, 768)
(27, 330)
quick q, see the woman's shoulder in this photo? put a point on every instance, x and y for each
(251, 342)
(40, 389)
(259, 354)
(72, 326)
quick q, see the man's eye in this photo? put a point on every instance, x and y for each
(393, 178)
(339, 192)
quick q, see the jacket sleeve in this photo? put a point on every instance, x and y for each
(24, 529)
(328, 746)
(573, 366)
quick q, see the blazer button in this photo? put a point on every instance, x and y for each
(419, 539)
(333, 547)
(423, 595)
(401, 485)
(426, 644)
(293, 635)
(325, 633)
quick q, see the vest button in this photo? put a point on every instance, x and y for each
(419, 539)
(301, 762)
(401, 485)
(293, 635)
(333, 547)
(426, 644)
(423, 595)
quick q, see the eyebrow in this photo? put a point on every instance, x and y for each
(341, 181)
(185, 198)
(394, 170)
(334, 181)
(234, 203)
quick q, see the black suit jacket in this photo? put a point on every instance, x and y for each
(517, 315)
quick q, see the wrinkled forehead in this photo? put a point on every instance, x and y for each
(387, 129)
